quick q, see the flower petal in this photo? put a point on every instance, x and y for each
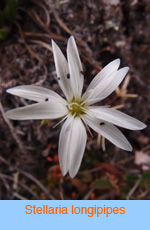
(42, 110)
(75, 67)
(79, 137)
(35, 93)
(64, 145)
(62, 70)
(106, 85)
(104, 73)
(72, 145)
(109, 131)
(117, 118)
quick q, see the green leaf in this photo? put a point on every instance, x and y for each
(9, 12)
(130, 178)
(146, 176)
(148, 187)
(102, 184)
(3, 34)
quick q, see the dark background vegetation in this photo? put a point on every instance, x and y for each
(104, 30)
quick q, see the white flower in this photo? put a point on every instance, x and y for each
(77, 109)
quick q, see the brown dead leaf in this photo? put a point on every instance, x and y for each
(76, 182)
(143, 139)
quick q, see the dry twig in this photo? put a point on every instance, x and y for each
(86, 197)
(132, 191)
(32, 53)
(19, 183)
(29, 176)
(13, 132)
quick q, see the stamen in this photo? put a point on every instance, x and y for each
(58, 78)
(61, 120)
(82, 72)
(86, 111)
(46, 99)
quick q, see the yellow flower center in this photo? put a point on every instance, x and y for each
(76, 107)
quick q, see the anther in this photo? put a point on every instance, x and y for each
(46, 99)
(58, 78)
(82, 72)
(68, 76)
(102, 123)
